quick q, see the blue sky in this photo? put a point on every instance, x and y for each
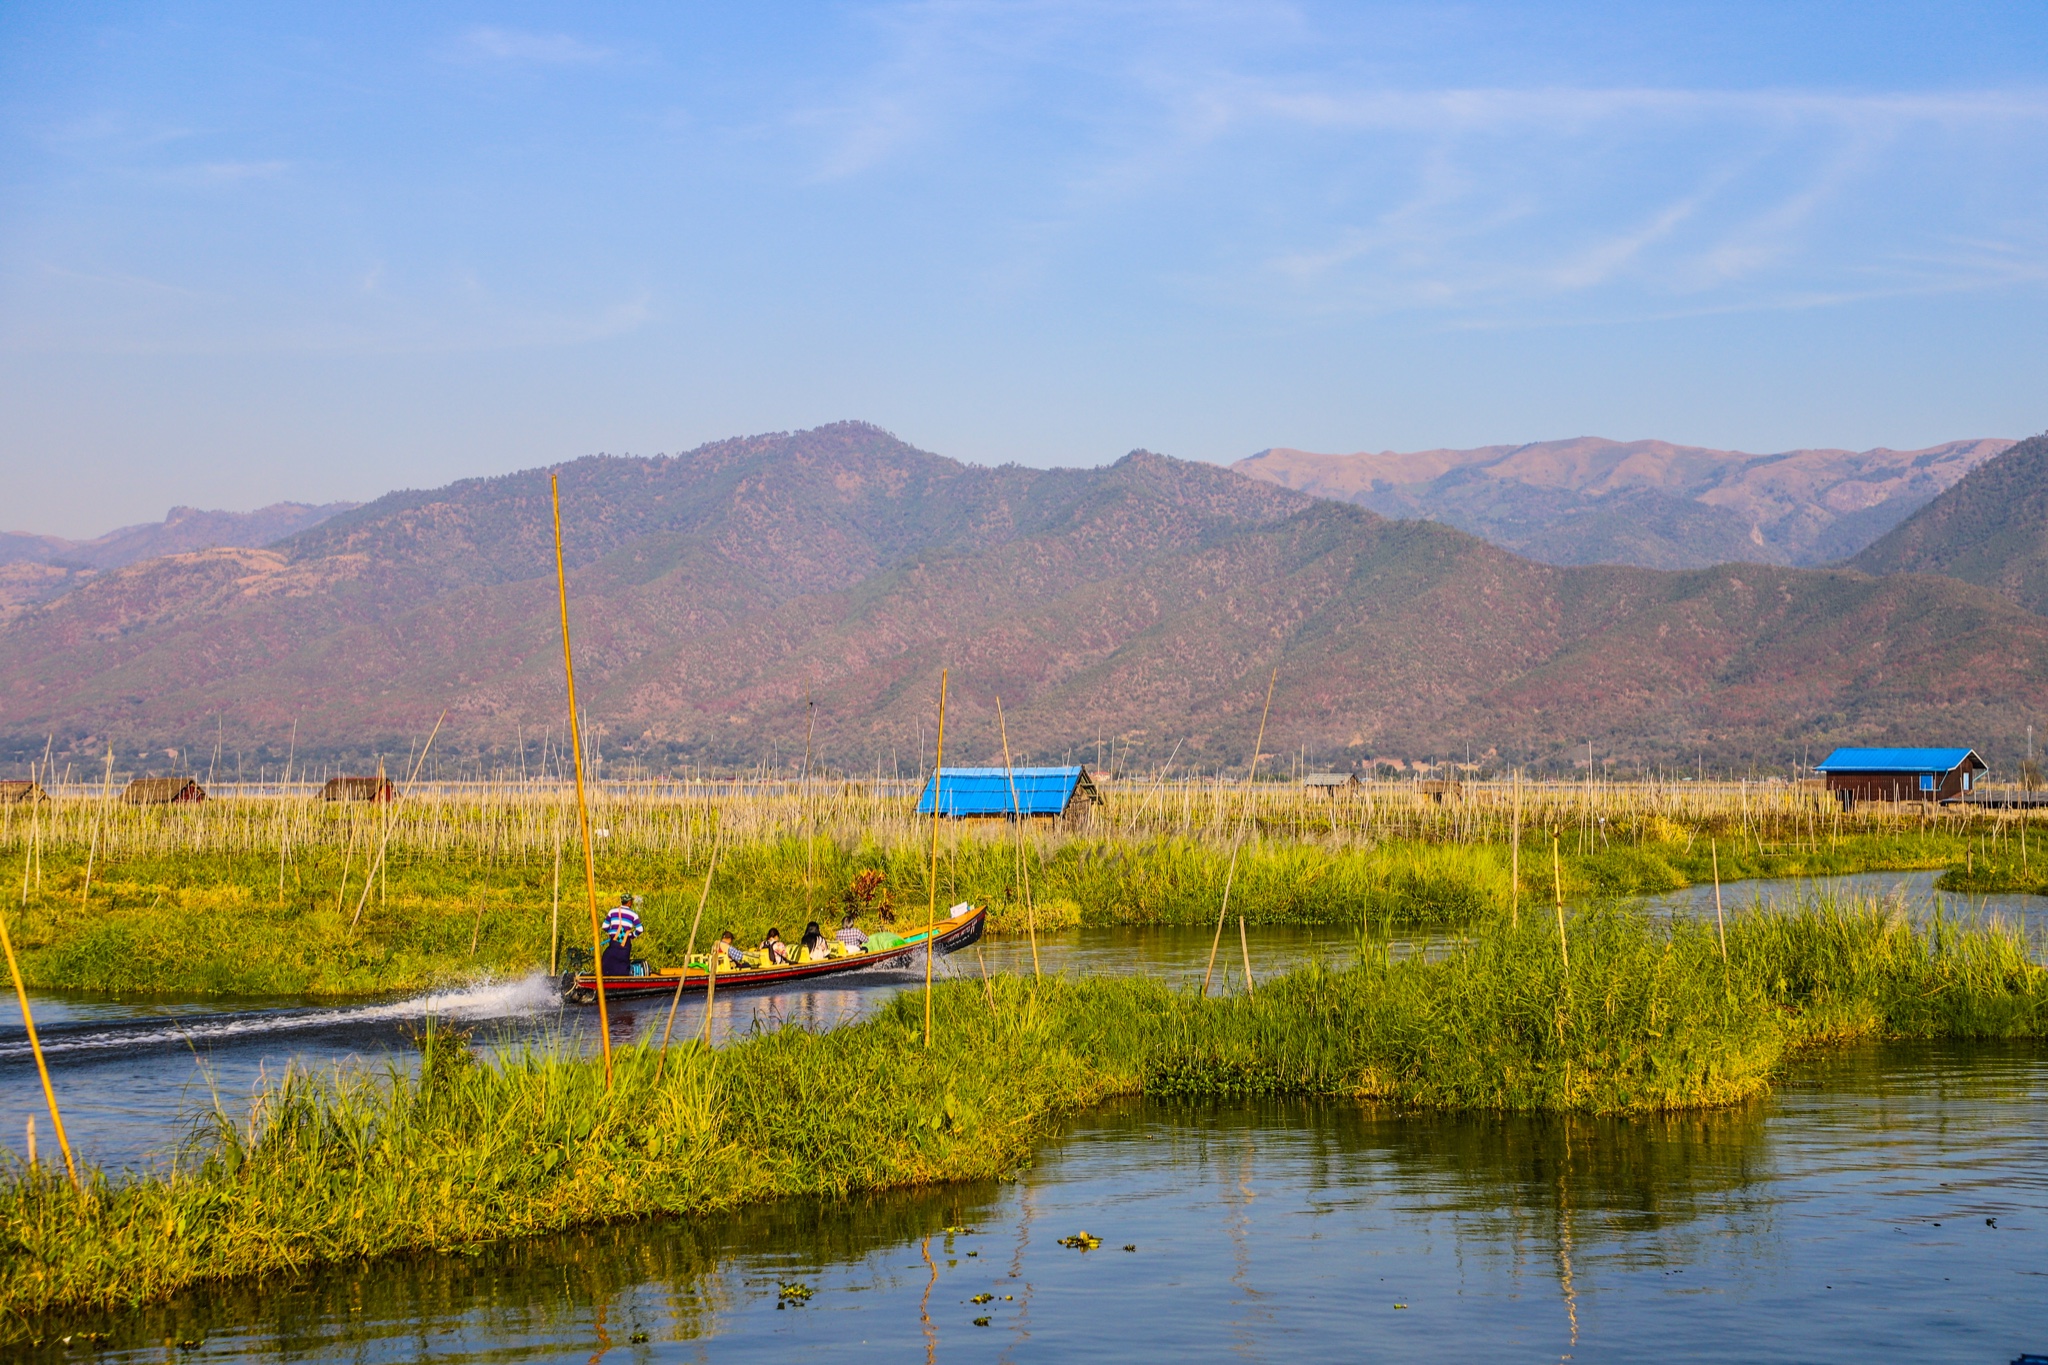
(250, 253)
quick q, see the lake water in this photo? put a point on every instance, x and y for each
(131, 1072)
(1886, 1203)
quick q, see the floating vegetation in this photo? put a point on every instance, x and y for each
(456, 883)
(1623, 1014)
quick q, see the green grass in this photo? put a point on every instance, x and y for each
(214, 922)
(1649, 1017)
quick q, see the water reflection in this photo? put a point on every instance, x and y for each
(1846, 1218)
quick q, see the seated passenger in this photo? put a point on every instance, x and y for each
(777, 950)
(817, 948)
(726, 953)
(851, 936)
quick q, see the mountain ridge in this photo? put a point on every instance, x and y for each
(715, 594)
(1990, 529)
(37, 568)
(1589, 500)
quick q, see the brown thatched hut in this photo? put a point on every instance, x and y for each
(163, 791)
(20, 791)
(358, 789)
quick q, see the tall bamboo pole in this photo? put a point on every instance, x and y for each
(1720, 924)
(385, 806)
(1515, 860)
(684, 974)
(931, 928)
(28, 1020)
(1017, 819)
(809, 815)
(1222, 914)
(604, 1021)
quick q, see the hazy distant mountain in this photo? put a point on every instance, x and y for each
(36, 568)
(1990, 529)
(1592, 501)
(1142, 603)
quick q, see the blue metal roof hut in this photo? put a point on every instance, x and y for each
(1899, 774)
(967, 793)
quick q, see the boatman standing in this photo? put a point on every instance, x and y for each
(621, 927)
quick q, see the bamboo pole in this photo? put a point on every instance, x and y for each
(99, 818)
(1258, 745)
(604, 1022)
(284, 836)
(384, 839)
(1515, 860)
(804, 799)
(684, 975)
(1245, 947)
(1017, 825)
(1557, 890)
(35, 1045)
(1720, 925)
(555, 907)
(931, 929)
(710, 987)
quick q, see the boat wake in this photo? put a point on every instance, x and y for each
(528, 997)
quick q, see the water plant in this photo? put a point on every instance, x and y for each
(456, 883)
(1626, 1014)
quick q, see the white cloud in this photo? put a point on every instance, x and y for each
(512, 46)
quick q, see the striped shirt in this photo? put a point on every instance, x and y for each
(622, 925)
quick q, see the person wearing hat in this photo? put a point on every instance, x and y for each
(621, 927)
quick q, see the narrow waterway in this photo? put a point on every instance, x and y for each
(1886, 1203)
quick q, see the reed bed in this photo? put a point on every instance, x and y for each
(523, 821)
(1622, 1014)
(271, 893)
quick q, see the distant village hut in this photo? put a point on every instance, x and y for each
(20, 792)
(1438, 790)
(1330, 784)
(1010, 793)
(163, 791)
(358, 789)
(1855, 775)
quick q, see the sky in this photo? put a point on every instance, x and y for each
(252, 253)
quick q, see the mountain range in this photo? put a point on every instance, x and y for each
(37, 568)
(1992, 529)
(1662, 506)
(716, 595)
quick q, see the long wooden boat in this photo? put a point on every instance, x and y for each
(962, 930)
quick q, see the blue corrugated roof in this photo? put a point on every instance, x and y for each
(986, 791)
(1896, 761)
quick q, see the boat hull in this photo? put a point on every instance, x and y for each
(580, 988)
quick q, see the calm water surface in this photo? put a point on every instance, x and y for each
(1887, 1203)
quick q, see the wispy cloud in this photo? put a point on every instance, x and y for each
(516, 47)
(223, 172)
(1300, 182)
